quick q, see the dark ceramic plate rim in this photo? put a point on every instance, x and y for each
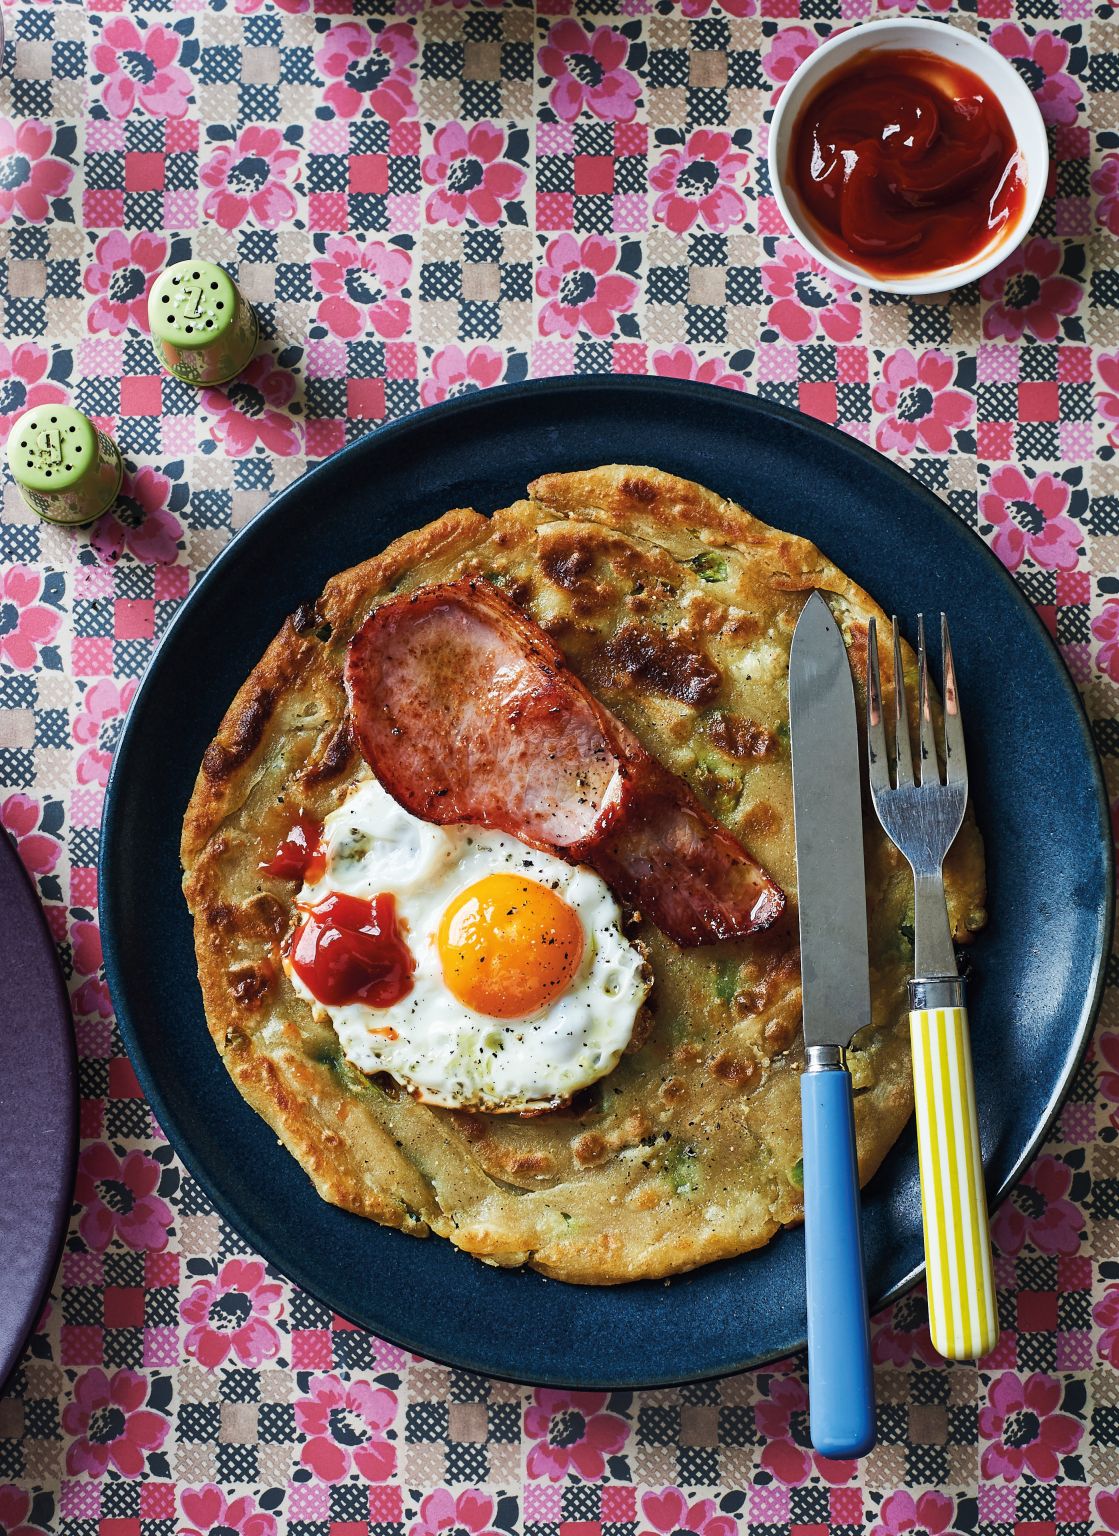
(51, 1232)
(484, 402)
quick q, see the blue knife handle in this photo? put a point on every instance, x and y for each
(840, 1380)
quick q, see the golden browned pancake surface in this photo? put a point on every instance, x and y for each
(676, 608)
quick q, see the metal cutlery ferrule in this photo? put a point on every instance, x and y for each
(825, 1058)
(937, 992)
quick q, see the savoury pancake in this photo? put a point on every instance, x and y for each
(675, 608)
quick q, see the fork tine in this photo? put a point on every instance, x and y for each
(955, 758)
(903, 749)
(877, 752)
(928, 769)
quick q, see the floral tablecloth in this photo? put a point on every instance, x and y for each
(423, 199)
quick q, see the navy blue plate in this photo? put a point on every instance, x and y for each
(1038, 796)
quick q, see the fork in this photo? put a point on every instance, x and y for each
(922, 816)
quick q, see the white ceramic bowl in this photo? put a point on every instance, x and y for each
(947, 42)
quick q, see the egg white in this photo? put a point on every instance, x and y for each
(446, 1053)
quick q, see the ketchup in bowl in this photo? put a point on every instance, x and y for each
(905, 162)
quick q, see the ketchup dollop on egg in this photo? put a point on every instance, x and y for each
(349, 950)
(905, 163)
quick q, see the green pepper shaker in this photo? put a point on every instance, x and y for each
(203, 331)
(67, 471)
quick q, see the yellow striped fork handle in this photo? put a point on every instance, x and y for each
(962, 1312)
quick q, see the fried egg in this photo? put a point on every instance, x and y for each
(524, 987)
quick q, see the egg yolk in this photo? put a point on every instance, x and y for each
(509, 946)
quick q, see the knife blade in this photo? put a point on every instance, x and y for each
(835, 972)
(827, 812)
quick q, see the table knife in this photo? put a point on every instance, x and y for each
(835, 975)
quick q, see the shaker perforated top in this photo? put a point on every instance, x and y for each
(192, 304)
(52, 448)
(67, 471)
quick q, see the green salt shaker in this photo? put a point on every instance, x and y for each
(203, 331)
(67, 471)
